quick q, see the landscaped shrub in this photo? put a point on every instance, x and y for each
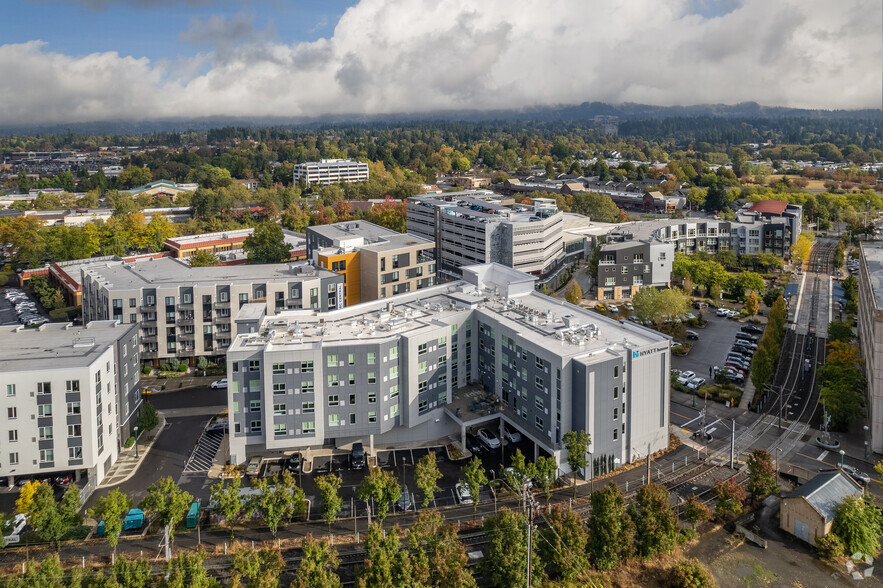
(129, 442)
(145, 369)
(690, 574)
(182, 367)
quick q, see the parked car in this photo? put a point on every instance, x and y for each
(699, 305)
(463, 494)
(357, 456)
(219, 384)
(722, 312)
(747, 337)
(733, 314)
(695, 383)
(253, 469)
(686, 377)
(613, 308)
(600, 307)
(752, 329)
(40, 320)
(63, 480)
(512, 435)
(489, 439)
(292, 463)
(689, 316)
(857, 474)
(629, 306)
(693, 335)
(743, 349)
(404, 501)
(473, 444)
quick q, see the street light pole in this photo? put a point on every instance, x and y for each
(136, 441)
(842, 453)
(866, 442)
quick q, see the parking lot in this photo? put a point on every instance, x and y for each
(7, 313)
(715, 341)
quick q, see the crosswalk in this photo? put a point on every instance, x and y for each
(204, 453)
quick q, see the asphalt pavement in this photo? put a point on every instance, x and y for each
(715, 341)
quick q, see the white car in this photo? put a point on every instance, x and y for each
(463, 494)
(613, 308)
(733, 314)
(219, 384)
(511, 434)
(686, 377)
(695, 383)
(722, 312)
(489, 439)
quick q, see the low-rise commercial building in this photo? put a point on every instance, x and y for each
(69, 398)
(404, 369)
(376, 262)
(808, 512)
(187, 312)
(330, 171)
(228, 244)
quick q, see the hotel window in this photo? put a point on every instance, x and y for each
(422, 405)
(421, 349)
(254, 406)
(616, 392)
(421, 368)
(442, 360)
(393, 411)
(278, 368)
(352, 379)
(442, 341)
(372, 358)
(331, 361)
(372, 416)
(372, 377)
(12, 412)
(394, 391)
(255, 426)
(45, 433)
(46, 387)
(309, 427)
(243, 298)
(279, 430)
(307, 407)
(73, 408)
(615, 434)
(615, 413)
(539, 423)
(538, 382)
(74, 431)
(333, 381)
(393, 352)
(616, 371)
(13, 435)
(333, 420)
(422, 386)
(394, 372)
(254, 365)
(372, 397)
(538, 402)
(306, 367)
(279, 388)
(333, 400)
(351, 359)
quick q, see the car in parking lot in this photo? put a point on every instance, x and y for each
(473, 444)
(722, 312)
(463, 494)
(357, 456)
(254, 466)
(693, 335)
(219, 384)
(613, 308)
(747, 337)
(733, 314)
(489, 439)
(752, 329)
(404, 501)
(686, 377)
(743, 349)
(600, 307)
(695, 383)
(857, 474)
(36, 321)
(629, 306)
(512, 434)
(699, 305)
(734, 375)
(292, 463)
(736, 364)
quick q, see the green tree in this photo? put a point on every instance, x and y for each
(690, 574)
(475, 478)
(132, 573)
(427, 476)
(840, 331)
(317, 565)
(656, 524)
(168, 502)
(45, 574)
(695, 511)
(267, 245)
(858, 522)
(438, 558)
(112, 509)
(577, 445)
(204, 258)
(746, 281)
(134, 176)
(545, 473)
(761, 474)
(730, 496)
(149, 419)
(49, 519)
(386, 564)
(563, 546)
(611, 531)
(574, 294)
(381, 486)
(279, 500)
(716, 198)
(186, 570)
(762, 368)
(598, 207)
(329, 487)
(505, 556)
(256, 569)
(227, 500)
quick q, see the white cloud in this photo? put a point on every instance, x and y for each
(388, 56)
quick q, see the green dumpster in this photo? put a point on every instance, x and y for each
(193, 515)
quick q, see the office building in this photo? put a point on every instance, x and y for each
(69, 398)
(330, 171)
(405, 369)
(227, 245)
(474, 228)
(187, 312)
(376, 262)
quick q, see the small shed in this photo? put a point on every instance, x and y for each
(808, 512)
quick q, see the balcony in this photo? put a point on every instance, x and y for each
(185, 319)
(219, 304)
(222, 319)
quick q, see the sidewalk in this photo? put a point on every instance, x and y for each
(127, 464)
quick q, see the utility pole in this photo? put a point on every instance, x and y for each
(648, 463)
(733, 444)
(529, 538)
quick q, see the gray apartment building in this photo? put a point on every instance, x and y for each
(69, 398)
(478, 227)
(870, 333)
(390, 371)
(625, 265)
(187, 312)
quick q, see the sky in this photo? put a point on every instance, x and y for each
(65, 61)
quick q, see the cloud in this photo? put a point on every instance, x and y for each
(406, 56)
(99, 5)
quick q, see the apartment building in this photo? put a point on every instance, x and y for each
(626, 265)
(187, 312)
(474, 228)
(330, 171)
(69, 398)
(870, 333)
(391, 371)
(376, 262)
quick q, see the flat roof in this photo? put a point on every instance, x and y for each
(352, 229)
(872, 255)
(549, 323)
(166, 271)
(57, 345)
